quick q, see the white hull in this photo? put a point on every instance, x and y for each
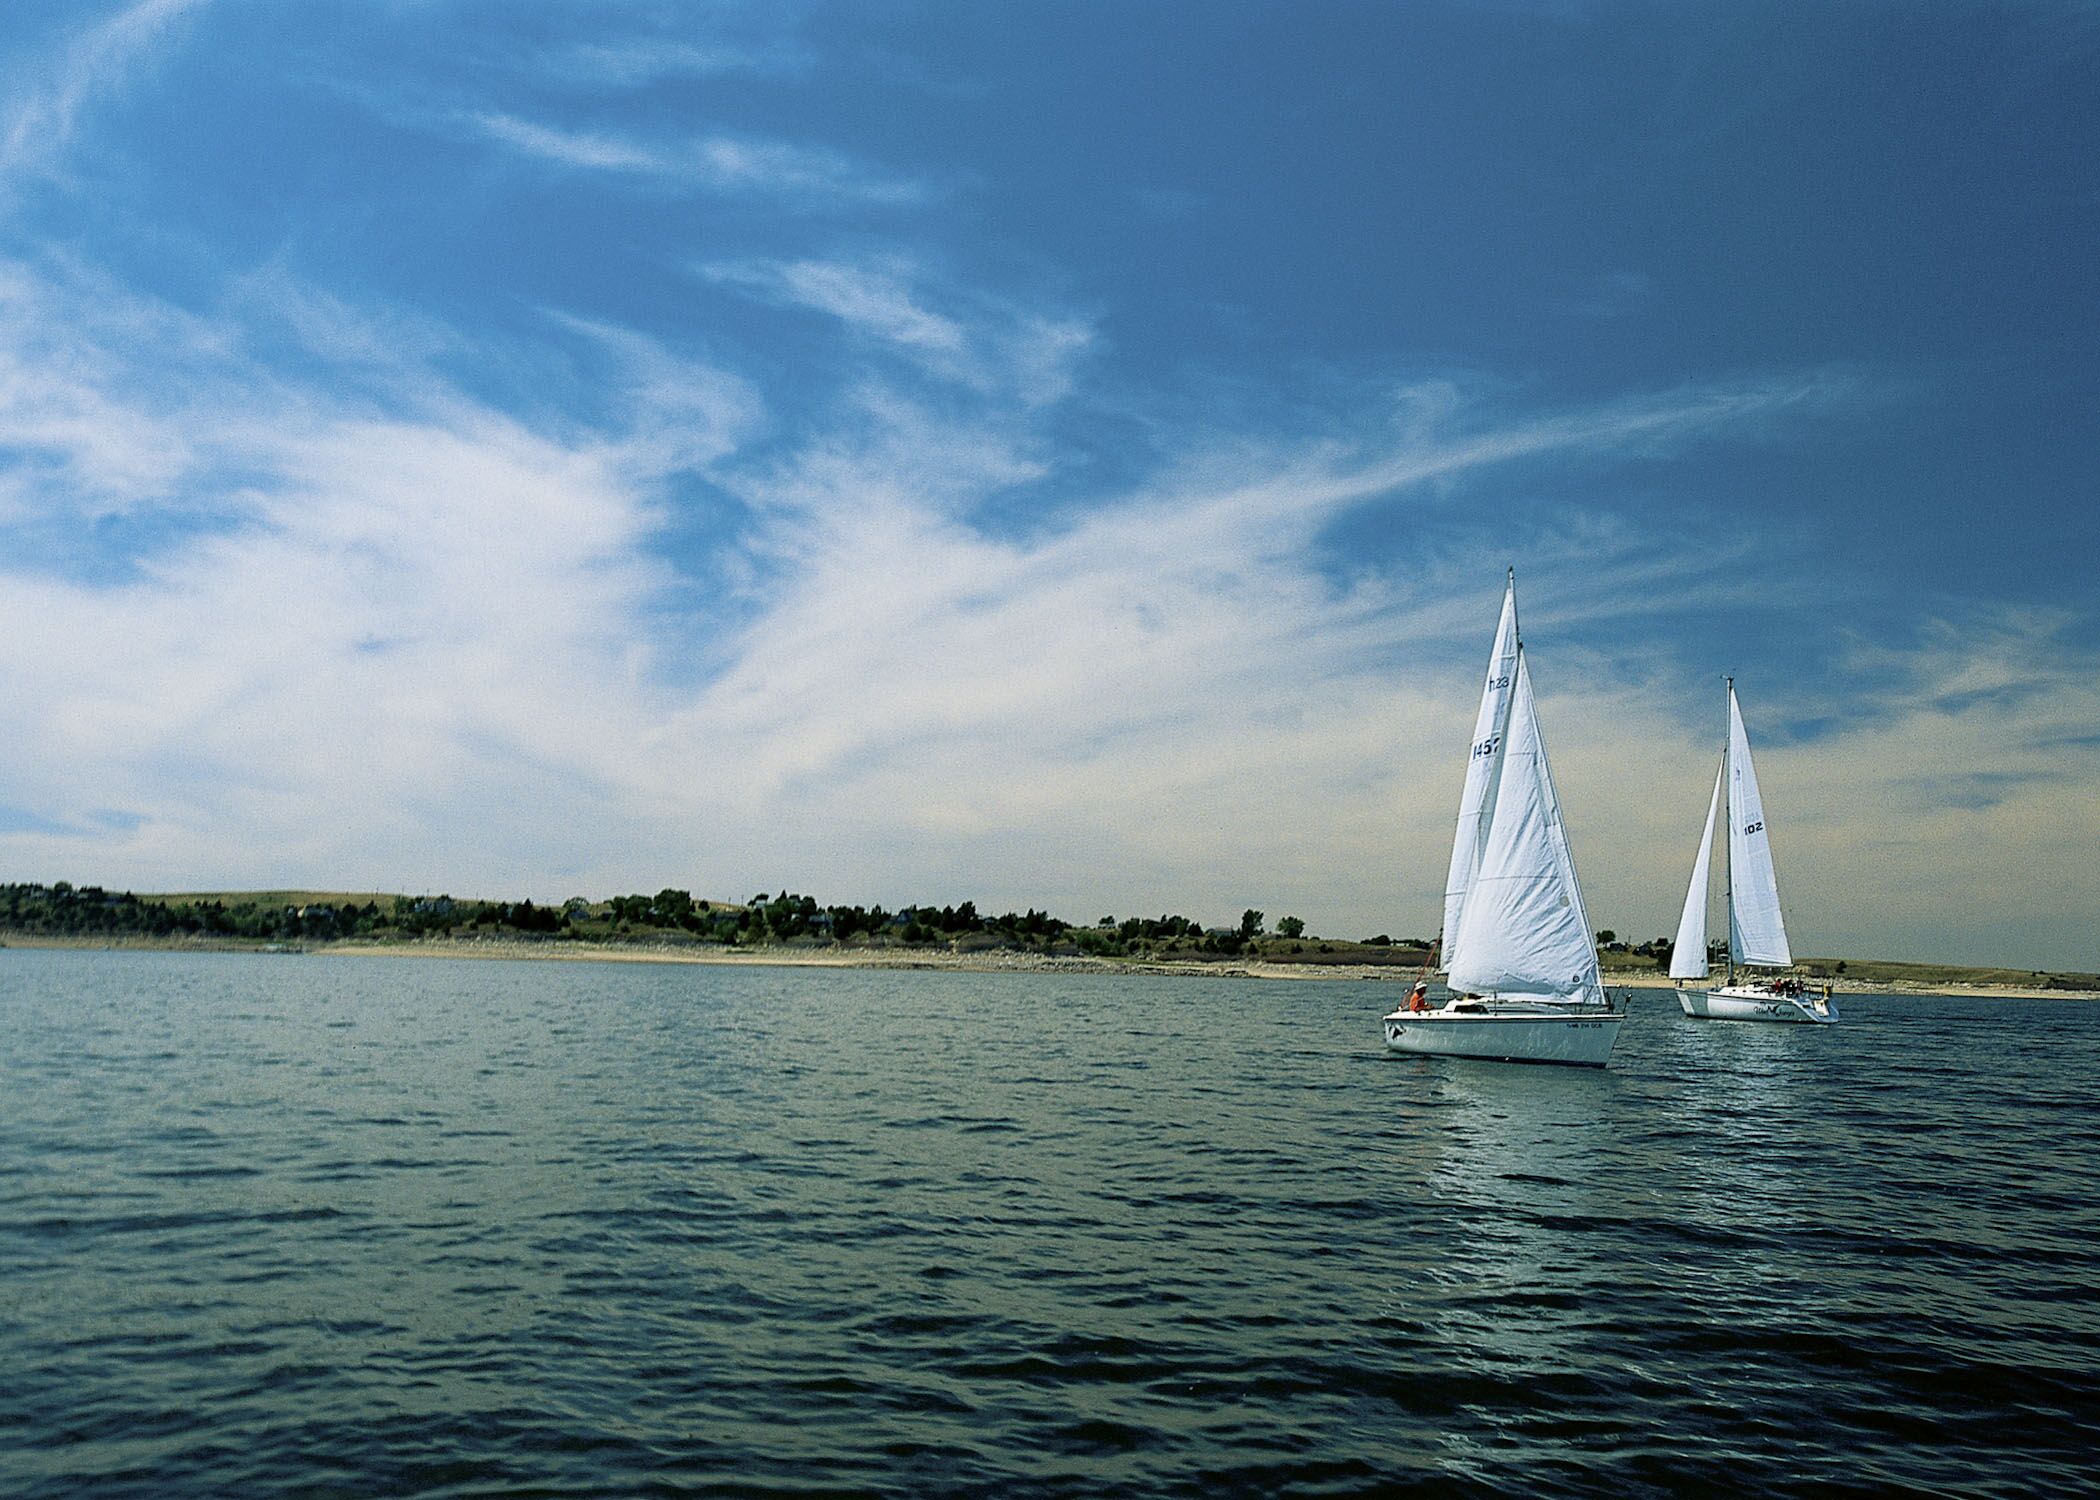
(1743, 1002)
(1582, 1039)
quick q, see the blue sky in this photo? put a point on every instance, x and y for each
(1055, 454)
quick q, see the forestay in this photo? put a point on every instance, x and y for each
(1483, 770)
(1756, 933)
(1688, 955)
(1525, 930)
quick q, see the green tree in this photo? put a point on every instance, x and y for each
(1290, 927)
(1250, 923)
(672, 908)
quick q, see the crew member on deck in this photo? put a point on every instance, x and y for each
(1419, 1000)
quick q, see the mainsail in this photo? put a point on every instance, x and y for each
(1756, 934)
(1688, 955)
(1483, 770)
(1524, 928)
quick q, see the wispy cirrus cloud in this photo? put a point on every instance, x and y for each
(433, 645)
(719, 163)
(682, 414)
(439, 650)
(73, 421)
(1120, 677)
(373, 514)
(637, 62)
(423, 642)
(571, 148)
(343, 333)
(43, 117)
(351, 562)
(987, 343)
(1959, 780)
(876, 299)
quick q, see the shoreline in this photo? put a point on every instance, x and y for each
(985, 961)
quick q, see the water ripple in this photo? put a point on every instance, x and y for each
(329, 1227)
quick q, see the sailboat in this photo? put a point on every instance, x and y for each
(1756, 931)
(1518, 952)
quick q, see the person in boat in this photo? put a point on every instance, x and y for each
(1418, 999)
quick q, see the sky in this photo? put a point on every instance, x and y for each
(1060, 455)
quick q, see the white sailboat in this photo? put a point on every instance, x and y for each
(1519, 954)
(1756, 931)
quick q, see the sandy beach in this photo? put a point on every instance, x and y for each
(1003, 960)
(986, 960)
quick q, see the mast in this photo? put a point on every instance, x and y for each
(1727, 864)
(1516, 627)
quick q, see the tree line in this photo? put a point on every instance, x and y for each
(63, 910)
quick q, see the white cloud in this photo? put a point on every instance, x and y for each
(572, 148)
(420, 624)
(1956, 815)
(368, 629)
(1165, 693)
(639, 62)
(794, 174)
(43, 116)
(335, 330)
(681, 414)
(66, 417)
(987, 344)
(875, 300)
(1945, 811)
(430, 647)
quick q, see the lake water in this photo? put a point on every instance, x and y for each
(354, 1227)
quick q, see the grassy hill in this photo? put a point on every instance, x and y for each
(1897, 974)
(1893, 972)
(271, 898)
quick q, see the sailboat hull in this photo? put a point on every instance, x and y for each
(1748, 1003)
(1583, 1039)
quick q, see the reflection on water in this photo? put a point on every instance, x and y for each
(357, 1227)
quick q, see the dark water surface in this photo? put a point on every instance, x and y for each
(329, 1226)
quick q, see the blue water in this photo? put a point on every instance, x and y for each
(327, 1226)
